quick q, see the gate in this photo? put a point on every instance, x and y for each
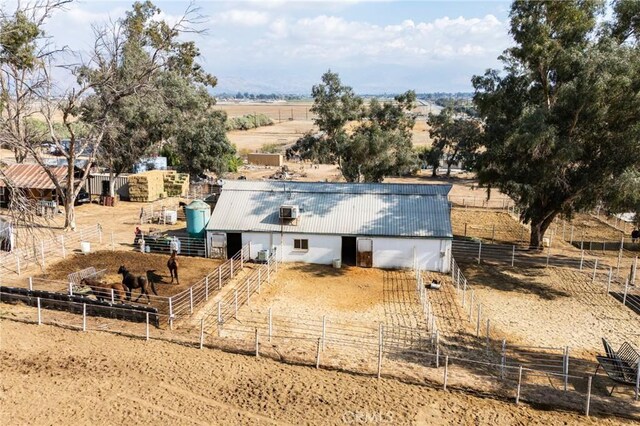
(365, 253)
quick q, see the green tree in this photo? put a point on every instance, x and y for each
(560, 126)
(455, 138)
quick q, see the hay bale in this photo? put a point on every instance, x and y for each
(176, 184)
(147, 186)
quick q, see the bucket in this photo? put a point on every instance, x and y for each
(337, 263)
(85, 247)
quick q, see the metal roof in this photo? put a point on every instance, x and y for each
(32, 176)
(391, 210)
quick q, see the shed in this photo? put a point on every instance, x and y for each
(32, 180)
(371, 225)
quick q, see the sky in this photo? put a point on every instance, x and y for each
(285, 47)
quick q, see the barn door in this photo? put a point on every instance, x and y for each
(365, 253)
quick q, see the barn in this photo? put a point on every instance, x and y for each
(364, 224)
(32, 180)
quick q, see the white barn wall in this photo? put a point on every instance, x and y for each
(387, 252)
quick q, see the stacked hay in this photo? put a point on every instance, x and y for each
(147, 186)
(176, 184)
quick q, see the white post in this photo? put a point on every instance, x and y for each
(270, 324)
(479, 252)
(44, 266)
(18, 263)
(595, 269)
(202, 333)
(84, 317)
(257, 344)
(446, 370)
(170, 314)
(147, 326)
(380, 346)
(206, 288)
(519, 382)
(513, 255)
(39, 312)
(113, 299)
(581, 258)
(70, 288)
(219, 277)
(191, 300)
(235, 303)
(64, 249)
(318, 354)
(324, 331)
(548, 254)
(219, 318)
(30, 284)
(586, 410)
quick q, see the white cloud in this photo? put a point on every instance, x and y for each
(247, 18)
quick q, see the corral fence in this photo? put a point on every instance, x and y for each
(43, 252)
(187, 246)
(375, 355)
(500, 202)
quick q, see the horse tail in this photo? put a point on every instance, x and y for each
(153, 286)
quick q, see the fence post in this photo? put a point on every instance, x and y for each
(513, 255)
(269, 269)
(206, 287)
(147, 325)
(503, 358)
(170, 314)
(324, 330)
(64, 249)
(113, 299)
(479, 252)
(437, 349)
(30, 284)
(257, 344)
(241, 259)
(202, 333)
(270, 324)
(235, 303)
(380, 345)
(488, 325)
(99, 234)
(70, 288)
(566, 367)
(581, 258)
(446, 371)
(609, 279)
(620, 257)
(464, 293)
(44, 266)
(318, 353)
(219, 277)
(458, 280)
(478, 322)
(586, 409)
(40, 313)
(626, 290)
(471, 306)
(84, 317)
(18, 263)
(191, 300)
(219, 317)
(519, 382)
(595, 269)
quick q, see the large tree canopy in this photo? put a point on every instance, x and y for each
(562, 119)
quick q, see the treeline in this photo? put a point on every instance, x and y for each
(248, 121)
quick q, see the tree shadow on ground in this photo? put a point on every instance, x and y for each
(496, 277)
(321, 270)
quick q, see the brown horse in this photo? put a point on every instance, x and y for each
(172, 264)
(103, 290)
(131, 281)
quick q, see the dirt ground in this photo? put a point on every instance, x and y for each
(551, 307)
(191, 269)
(60, 376)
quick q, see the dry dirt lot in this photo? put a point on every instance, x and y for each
(191, 269)
(52, 375)
(551, 307)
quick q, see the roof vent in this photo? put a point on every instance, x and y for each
(289, 212)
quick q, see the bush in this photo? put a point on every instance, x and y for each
(249, 121)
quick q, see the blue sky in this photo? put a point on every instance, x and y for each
(281, 46)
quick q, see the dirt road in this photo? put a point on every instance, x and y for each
(51, 375)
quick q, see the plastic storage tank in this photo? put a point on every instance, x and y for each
(197, 214)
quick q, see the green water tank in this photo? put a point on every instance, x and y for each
(197, 214)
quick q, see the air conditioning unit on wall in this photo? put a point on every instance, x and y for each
(289, 211)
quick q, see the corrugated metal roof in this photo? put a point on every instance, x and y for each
(333, 187)
(32, 176)
(340, 209)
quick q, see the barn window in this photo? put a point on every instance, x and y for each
(301, 244)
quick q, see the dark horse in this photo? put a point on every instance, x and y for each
(131, 281)
(172, 264)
